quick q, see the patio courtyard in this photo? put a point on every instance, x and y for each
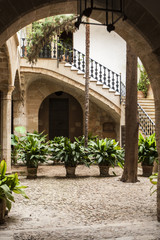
(86, 207)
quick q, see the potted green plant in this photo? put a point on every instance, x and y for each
(71, 154)
(8, 185)
(147, 153)
(106, 153)
(54, 148)
(144, 82)
(33, 149)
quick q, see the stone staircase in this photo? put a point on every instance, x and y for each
(103, 81)
(148, 106)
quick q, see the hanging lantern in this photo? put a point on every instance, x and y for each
(112, 8)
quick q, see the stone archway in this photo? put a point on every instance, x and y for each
(141, 31)
(60, 114)
(39, 87)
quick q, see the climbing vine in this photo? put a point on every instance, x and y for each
(43, 32)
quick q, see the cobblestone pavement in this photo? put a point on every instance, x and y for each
(87, 207)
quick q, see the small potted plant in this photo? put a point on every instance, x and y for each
(71, 154)
(8, 185)
(143, 83)
(54, 148)
(33, 149)
(147, 153)
(106, 153)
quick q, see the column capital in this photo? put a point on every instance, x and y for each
(10, 89)
(7, 92)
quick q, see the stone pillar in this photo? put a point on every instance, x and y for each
(19, 112)
(6, 126)
(131, 119)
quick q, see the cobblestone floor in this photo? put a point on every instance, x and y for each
(87, 207)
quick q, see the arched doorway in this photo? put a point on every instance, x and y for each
(60, 114)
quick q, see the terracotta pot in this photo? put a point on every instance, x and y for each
(140, 94)
(32, 172)
(2, 210)
(147, 170)
(70, 171)
(104, 171)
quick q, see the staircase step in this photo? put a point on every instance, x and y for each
(146, 103)
(93, 80)
(80, 72)
(74, 68)
(148, 106)
(67, 65)
(146, 99)
(111, 90)
(105, 86)
(149, 111)
(99, 83)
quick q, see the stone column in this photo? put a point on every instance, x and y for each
(6, 126)
(131, 119)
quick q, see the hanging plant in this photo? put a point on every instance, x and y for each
(44, 31)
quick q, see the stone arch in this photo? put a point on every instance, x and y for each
(40, 87)
(36, 95)
(72, 81)
(5, 97)
(141, 31)
(60, 114)
(17, 102)
(5, 70)
(136, 33)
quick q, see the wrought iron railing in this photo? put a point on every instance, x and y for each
(146, 124)
(122, 92)
(59, 51)
(102, 74)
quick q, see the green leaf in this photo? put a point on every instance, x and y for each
(120, 165)
(3, 167)
(7, 192)
(8, 204)
(20, 191)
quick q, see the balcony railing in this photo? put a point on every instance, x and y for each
(61, 51)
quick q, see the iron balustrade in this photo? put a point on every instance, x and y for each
(146, 124)
(64, 52)
(103, 75)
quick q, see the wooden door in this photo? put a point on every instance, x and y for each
(58, 117)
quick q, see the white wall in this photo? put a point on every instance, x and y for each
(109, 49)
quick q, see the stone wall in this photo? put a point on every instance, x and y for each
(100, 123)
